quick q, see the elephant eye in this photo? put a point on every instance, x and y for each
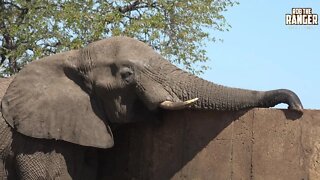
(126, 74)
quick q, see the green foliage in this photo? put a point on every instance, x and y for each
(31, 29)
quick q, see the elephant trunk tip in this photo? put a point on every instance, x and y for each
(296, 106)
(288, 97)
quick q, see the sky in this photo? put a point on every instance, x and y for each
(260, 52)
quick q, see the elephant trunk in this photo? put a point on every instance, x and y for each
(217, 97)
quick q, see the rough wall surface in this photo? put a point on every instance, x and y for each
(258, 144)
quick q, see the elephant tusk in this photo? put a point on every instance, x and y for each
(177, 105)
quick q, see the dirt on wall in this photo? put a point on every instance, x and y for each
(257, 144)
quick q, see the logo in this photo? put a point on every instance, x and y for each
(301, 16)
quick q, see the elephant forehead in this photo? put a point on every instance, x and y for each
(122, 49)
(133, 55)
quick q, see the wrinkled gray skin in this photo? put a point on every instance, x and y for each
(73, 96)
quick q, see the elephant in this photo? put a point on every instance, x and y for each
(57, 111)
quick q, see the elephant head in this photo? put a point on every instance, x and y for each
(72, 96)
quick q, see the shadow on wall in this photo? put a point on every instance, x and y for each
(148, 150)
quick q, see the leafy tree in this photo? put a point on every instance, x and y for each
(30, 29)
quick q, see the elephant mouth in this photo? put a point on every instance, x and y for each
(170, 105)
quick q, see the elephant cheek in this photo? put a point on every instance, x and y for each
(152, 94)
(120, 110)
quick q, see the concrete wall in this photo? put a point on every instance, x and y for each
(258, 144)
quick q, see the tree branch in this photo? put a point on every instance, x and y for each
(138, 4)
(130, 7)
(3, 58)
(23, 11)
(11, 4)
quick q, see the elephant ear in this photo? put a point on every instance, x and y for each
(47, 101)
